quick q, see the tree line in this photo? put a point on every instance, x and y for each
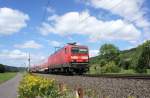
(6, 68)
(2, 68)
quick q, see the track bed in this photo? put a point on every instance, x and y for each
(115, 87)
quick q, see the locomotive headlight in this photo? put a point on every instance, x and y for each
(74, 57)
(84, 57)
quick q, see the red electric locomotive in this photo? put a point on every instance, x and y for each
(71, 59)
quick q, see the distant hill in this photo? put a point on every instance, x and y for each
(13, 69)
(130, 55)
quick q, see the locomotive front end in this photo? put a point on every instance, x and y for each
(80, 58)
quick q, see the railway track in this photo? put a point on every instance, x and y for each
(122, 76)
(116, 85)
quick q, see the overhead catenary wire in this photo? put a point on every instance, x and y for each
(43, 17)
(45, 11)
(128, 21)
(131, 21)
(29, 60)
(104, 14)
(121, 1)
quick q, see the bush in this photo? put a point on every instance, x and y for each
(2, 68)
(110, 67)
(33, 86)
(144, 59)
(95, 69)
(124, 63)
(102, 62)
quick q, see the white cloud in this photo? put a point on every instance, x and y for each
(93, 53)
(14, 54)
(55, 43)
(50, 9)
(51, 18)
(12, 21)
(29, 44)
(18, 58)
(131, 10)
(74, 23)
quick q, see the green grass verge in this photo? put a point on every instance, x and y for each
(6, 76)
(95, 69)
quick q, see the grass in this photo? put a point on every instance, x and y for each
(95, 69)
(128, 72)
(6, 76)
(148, 71)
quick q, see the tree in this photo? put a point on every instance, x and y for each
(124, 63)
(109, 52)
(2, 68)
(144, 59)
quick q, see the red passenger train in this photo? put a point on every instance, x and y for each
(71, 58)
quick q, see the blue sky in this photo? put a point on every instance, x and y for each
(37, 26)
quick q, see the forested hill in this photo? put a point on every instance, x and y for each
(6, 68)
(125, 54)
(137, 58)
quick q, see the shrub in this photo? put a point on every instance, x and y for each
(110, 67)
(97, 69)
(124, 63)
(144, 59)
(33, 86)
(102, 62)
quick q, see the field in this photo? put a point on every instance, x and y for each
(6, 76)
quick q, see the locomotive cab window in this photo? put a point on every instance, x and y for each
(83, 51)
(75, 50)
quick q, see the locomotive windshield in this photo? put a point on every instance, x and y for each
(76, 50)
(83, 51)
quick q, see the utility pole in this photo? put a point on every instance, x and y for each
(24, 64)
(29, 59)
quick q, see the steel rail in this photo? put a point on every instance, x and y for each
(139, 76)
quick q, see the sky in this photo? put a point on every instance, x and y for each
(37, 26)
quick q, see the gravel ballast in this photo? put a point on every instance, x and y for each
(108, 87)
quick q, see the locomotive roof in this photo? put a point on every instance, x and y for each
(77, 46)
(70, 45)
